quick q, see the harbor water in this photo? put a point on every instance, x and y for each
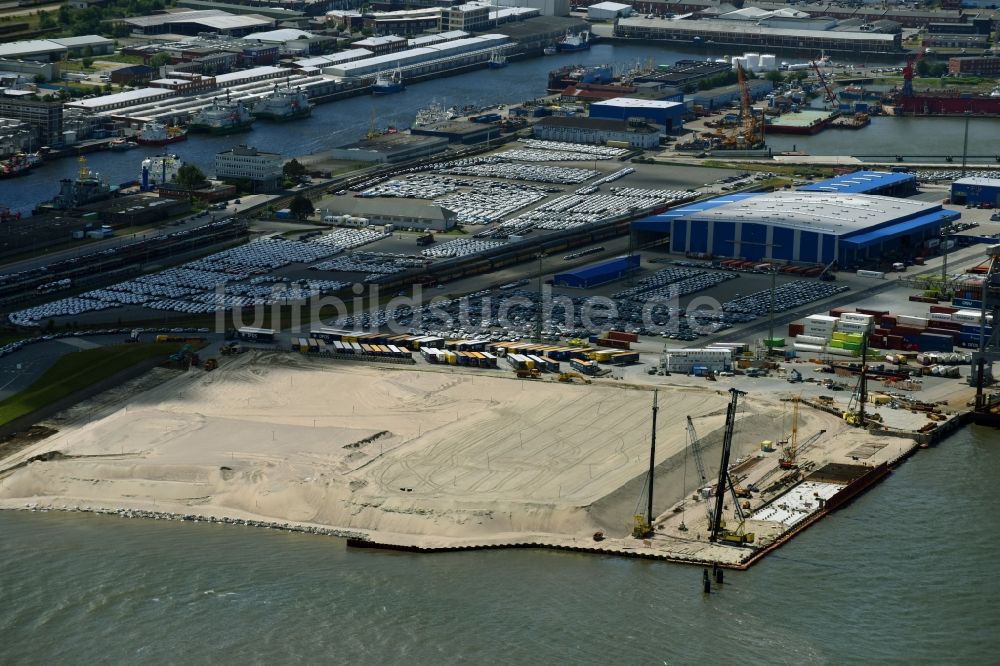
(905, 574)
(347, 120)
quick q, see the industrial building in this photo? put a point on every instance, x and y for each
(597, 274)
(421, 58)
(245, 163)
(800, 227)
(737, 33)
(669, 115)
(713, 98)
(884, 183)
(599, 131)
(43, 114)
(50, 50)
(976, 192)
(401, 213)
(698, 361)
(197, 21)
(460, 131)
(608, 11)
(391, 148)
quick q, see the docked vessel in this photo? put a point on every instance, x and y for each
(226, 117)
(805, 121)
(87, 188)
(550, 50)
(947, 103)
(497, 60)
(158, 170)
(284, 103)
(121, 144)
(578, 42)
(19, 164)
(571, 75)
(853, 92)
(157, 134)
(388, 83)
(431, 115)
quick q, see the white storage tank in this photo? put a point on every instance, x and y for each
(751, 61)
(768, 63)
(737, 61)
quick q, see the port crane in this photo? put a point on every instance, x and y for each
(750, 131)
(643, 525)
(910, 70)
(718, 531)
(696, 452)
(831, 96)
(855, 414)
(787, 460)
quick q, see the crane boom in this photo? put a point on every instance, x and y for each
(696, 451)
(830, 95)
(727, 448)
(787, 461)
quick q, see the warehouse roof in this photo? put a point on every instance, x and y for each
(30, 47)
(602, 269)
(127, 97)
(637, 103)
(83, 40)
(710, 26)
(859, 182)
(937, 217)
(279, 35)
(978, 180)
(610, 6)
(837, 214)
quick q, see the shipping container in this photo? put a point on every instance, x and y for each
(622, 335)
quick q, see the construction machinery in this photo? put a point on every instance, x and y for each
(528, 373)
(570, 377)
(831, 97)
(643, 525)
(855, 414)
(787, 459)
(211, 364)
(231, 348)
(718, 532)
(794, 376)
(749, 133)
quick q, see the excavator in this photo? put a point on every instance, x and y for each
(569, 377)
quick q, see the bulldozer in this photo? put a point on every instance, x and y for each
(570, 376)
(528, 373)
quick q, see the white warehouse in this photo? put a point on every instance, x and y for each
(684, 360)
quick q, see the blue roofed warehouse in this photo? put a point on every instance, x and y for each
(597, 274)
(886, 183)
(800, 227)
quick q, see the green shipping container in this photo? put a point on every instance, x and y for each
(774, 342)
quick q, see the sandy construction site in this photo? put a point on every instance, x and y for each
(425, 457)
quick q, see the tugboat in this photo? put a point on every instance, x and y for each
(87, 188)
(158, 134)
(19, 164)
(226, 117)
(497, 60)
(285, 103)
(577, 42)
(387, 84)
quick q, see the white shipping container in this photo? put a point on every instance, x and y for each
(818, 318)
(940, 316)
(974, 316)
(907, 320)
(811, 339)
(841, 352)
(800, 346)
(857, 317)
(850, 327)
(879, 275)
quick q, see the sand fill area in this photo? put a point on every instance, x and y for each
(427, 455)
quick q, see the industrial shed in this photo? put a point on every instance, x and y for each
(885, 183)
(667, 114)
(608, 11)
(976, 191)
(597, 274)
(800, 227)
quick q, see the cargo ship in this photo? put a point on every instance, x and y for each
(860, 93)
(121, 144)
(226, 117)
(387, 84)
(87, 188)
(19, 164)
(570, 43)
(157, 134)
(948, 103)
(285, 103)
(158, 170)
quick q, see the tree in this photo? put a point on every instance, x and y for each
(87, 63)
(160, 59)
(293, 170)
(45, 20)
(301, 207)
(190, 177)
(775, 77)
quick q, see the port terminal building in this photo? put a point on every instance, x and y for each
(798, 227)
(597, 274)
(669, 115)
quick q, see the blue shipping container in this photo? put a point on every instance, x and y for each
(966, 303)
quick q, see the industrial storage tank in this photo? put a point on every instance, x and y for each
(751, 61)
(767, 62)
(738, 61)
